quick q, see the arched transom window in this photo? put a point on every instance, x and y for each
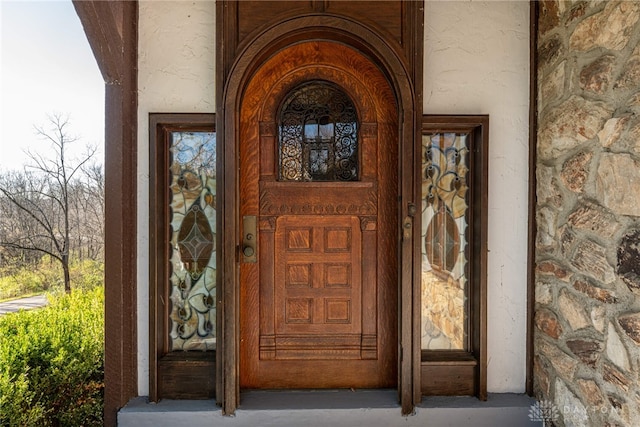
(318, 134)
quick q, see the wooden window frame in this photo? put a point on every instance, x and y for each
(464, 372)
(172, 374)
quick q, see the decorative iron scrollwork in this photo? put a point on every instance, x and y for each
(318, 135)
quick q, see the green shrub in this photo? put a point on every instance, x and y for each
(52, 363)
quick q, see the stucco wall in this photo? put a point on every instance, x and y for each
(176, 74)
(476, 62)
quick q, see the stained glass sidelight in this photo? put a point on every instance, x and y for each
(318, 135)
(193, 223)
(444, 242)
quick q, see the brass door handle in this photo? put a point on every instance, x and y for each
(249, 238)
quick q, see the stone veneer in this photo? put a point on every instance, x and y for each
(587, 319)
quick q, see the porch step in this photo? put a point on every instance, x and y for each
(370, 408)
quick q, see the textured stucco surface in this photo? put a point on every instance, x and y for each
(176, 74)
(476, 61)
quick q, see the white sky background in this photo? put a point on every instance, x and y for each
(46, 66)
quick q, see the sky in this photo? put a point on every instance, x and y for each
(46, 67)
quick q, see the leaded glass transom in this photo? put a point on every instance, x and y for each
(318, 135)
(445, 211)
(193, 224)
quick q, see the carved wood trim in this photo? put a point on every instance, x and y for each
(317, 347)
(369, 138)
(368, 223)
(369, 347)
(267, 223)
(268, 129)
(369, 130)
(267, 347)
(293, 199)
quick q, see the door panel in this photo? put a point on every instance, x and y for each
(318, 308)
(317, 296)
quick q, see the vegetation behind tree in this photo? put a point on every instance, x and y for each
(46, 277)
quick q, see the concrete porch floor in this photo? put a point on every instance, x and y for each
(326, 408)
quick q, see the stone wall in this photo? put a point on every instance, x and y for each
(587, 319)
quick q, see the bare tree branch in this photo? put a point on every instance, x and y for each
(56, 203)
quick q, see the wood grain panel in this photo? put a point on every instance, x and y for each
(327, 289)
(297, 275)
(386, 16)
(449, 377)
(334, 245)
(267, 227)
(255, 15)
(337, 275)
(267, 160)
(178, 372)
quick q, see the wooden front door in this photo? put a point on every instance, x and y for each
(319, 230)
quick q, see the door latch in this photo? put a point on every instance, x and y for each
(249, 239)
(407, 225)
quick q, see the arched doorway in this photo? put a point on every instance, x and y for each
(318, 276)
(252, 40)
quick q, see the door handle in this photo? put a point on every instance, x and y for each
(249, 239)
(248, 251)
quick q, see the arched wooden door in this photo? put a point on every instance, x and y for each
(318, 213)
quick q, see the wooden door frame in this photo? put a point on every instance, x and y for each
(389, 58)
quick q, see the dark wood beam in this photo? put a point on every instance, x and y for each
(99, 20)
(111, 28)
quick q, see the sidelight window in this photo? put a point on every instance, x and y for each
(192, 211)
(182, 264)
(445, 212)
(453, 249)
